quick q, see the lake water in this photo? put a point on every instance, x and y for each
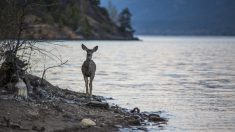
(190, 80)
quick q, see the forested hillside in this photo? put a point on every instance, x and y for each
(62, 19)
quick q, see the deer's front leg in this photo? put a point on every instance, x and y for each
(90, 85)
(86, 84)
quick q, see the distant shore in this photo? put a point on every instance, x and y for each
(71, 39)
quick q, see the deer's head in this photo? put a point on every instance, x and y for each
(89, 51)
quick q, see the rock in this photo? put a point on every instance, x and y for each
(119, 110)
(144, 116)
(156, 118)
(136, 110)
(102, 124)
(16, 126)
(133, 121)
(153, 115)
(108, 122)
(10, 124)
(33, 114)
(38, 129)
(6, 97)
(2, 92)
(136, 116)
(21, 88)
(142, 129)
(98, 104)
(118, 126)
(118, 116)
(109, 98)
(87, 122)
(68, 116)
(69, 101)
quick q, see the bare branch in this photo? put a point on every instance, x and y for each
(45, 69)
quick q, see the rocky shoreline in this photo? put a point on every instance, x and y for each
(61, 110)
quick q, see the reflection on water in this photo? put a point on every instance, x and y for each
(190, 80)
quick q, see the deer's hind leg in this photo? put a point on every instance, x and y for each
(86, 84)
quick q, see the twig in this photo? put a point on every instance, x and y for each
(45, 69)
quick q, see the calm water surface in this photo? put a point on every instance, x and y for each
(191, 81)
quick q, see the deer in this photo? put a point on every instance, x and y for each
(89, 68)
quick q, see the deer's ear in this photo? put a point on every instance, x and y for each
(84, 47)
(95, 48)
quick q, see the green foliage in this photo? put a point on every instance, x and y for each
(125, 20)
(106, 27)
(95, 2)
(68, 13)
(48, 18)
(104, 11)
(85, 27)
(70, 17)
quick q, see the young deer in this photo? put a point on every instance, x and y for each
(88, 68)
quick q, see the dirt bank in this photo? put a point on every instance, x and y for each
(28, 116)
(59, 110)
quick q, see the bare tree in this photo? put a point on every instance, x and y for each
(15, 52)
